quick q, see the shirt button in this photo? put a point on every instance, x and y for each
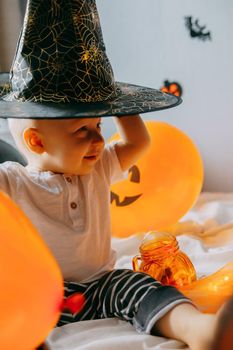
(73, 205)
(68, 179)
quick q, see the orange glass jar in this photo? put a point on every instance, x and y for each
(161, 258)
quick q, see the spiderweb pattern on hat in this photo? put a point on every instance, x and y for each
(62, 61)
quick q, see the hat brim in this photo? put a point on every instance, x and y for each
(131, 99)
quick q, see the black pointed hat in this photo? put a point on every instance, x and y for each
(61, 69)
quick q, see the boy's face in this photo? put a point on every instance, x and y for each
(71, 146)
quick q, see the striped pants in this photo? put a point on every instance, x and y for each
(131, 296)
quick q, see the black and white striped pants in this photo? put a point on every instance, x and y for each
(131, 296)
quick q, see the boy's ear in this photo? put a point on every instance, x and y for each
(33, 140)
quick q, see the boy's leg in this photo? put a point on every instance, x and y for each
(151, 308)
(137, 298)
(131, 296)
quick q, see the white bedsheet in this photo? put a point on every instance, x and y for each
(205, 233)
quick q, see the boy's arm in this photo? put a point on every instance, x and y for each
(134, 140)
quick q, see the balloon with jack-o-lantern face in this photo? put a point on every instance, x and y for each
(161, 187)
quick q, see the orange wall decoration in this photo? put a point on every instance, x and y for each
(173, 88)
(161, 187)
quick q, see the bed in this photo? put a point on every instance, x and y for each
(205, 233)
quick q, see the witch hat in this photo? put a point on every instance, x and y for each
(61, 69)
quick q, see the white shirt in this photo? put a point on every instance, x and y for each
(72, 213)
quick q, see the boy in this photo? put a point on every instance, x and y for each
(61, 84)
(65, 192)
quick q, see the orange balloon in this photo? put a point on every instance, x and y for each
(31, 284)
(211, 292)
(161, 187)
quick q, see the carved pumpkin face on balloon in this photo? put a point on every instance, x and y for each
(134, 178)
(161, 187)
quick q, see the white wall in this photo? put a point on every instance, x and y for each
(147, 43)
(10, 23)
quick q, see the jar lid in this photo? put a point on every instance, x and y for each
(155, 239)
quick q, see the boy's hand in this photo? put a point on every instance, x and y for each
(134, 140)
